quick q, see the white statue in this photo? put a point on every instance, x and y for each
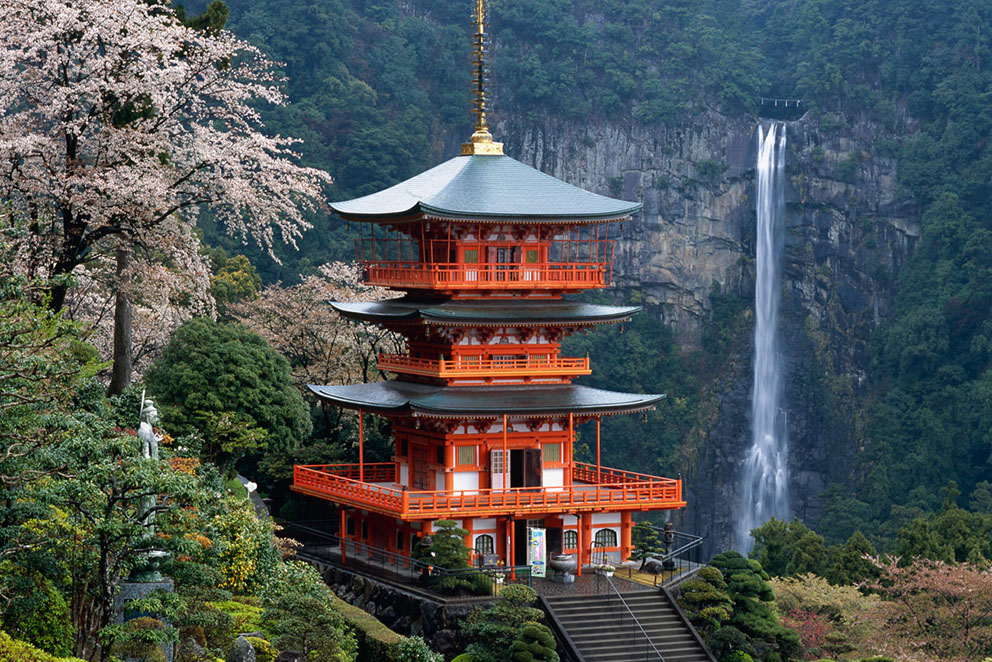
(149, 417)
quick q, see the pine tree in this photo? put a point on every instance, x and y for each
(535, 643)
(647, 543)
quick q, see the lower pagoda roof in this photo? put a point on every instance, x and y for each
(555, 312)
(398, 396)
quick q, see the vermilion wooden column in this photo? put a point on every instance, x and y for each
(449, 463)
(625, 529)
(361, 446)
(506, 459)
(343, 537)
(599, 468)
(578, 542)
(511, 556)
(569, 442)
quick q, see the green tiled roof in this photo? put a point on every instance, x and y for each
(399, 396)
(556, 312)
(486, 188)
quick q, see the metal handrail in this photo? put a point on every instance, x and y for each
(609, 581)
(400, 561)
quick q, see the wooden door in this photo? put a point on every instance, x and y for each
(421, 469)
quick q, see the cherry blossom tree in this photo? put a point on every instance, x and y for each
(933, 610)
(115, 117)
(322, 347)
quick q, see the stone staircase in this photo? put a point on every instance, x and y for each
(600, 629)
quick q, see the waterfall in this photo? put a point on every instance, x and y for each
(765, 475)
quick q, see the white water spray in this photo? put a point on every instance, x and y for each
(765, 476)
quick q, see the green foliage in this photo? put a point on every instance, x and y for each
(647, 542)
(264, 652)
(246, 617)
(139, 640)
(709, 169)
(235, 279)
(490, 633)
(852, 564)
(375, 641)
(447, 550)
(415, 649)
(705, 600)
(34, 610)
(228, 380)
(535, 643)
(788, 549)
(300, 614)
(748, 588)
(21, 651)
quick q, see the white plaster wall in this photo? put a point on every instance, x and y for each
(466, 480)
(484, 523)
(404, 474)
(439, 479)
(606, 518)
(554, 479)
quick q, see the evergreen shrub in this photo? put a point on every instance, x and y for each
(21, 651)
(264, 652)
(376, 642)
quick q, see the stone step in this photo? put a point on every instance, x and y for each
(600, 634)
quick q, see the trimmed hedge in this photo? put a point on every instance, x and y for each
(12, 650)
(376, 642)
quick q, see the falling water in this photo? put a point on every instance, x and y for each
(764, 476)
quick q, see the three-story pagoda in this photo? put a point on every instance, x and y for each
(482, 406)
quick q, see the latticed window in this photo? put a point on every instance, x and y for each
(552, 452)
(570, 539)
(606, 538)
(484, 544)
(466, 455)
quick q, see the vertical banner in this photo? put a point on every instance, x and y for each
(536, 551)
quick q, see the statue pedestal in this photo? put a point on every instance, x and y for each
(132, 590)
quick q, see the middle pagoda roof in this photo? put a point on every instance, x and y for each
(398, 396)
(485, 188)
(558, 312)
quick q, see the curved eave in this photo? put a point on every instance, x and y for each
(377, 311)
(545, 313)
(397, 397)
(485, 189)
(422, 212)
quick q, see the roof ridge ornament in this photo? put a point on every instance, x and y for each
(482, 140)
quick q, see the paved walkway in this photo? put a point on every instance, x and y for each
(588, 584)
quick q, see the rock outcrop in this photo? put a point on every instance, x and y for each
(849, 229)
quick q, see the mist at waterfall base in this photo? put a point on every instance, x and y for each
(764, 475)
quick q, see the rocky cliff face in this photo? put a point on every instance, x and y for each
(849, 230)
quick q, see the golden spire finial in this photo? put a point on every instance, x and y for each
(482, 140)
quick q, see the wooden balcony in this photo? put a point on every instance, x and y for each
(485, 368)
(457, 277)
(592, 490)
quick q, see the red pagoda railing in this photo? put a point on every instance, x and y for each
(498, 276)
(592, 489)
(490, 367)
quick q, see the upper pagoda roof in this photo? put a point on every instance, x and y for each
(555, 312)
(460, 401)
(486, 188)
